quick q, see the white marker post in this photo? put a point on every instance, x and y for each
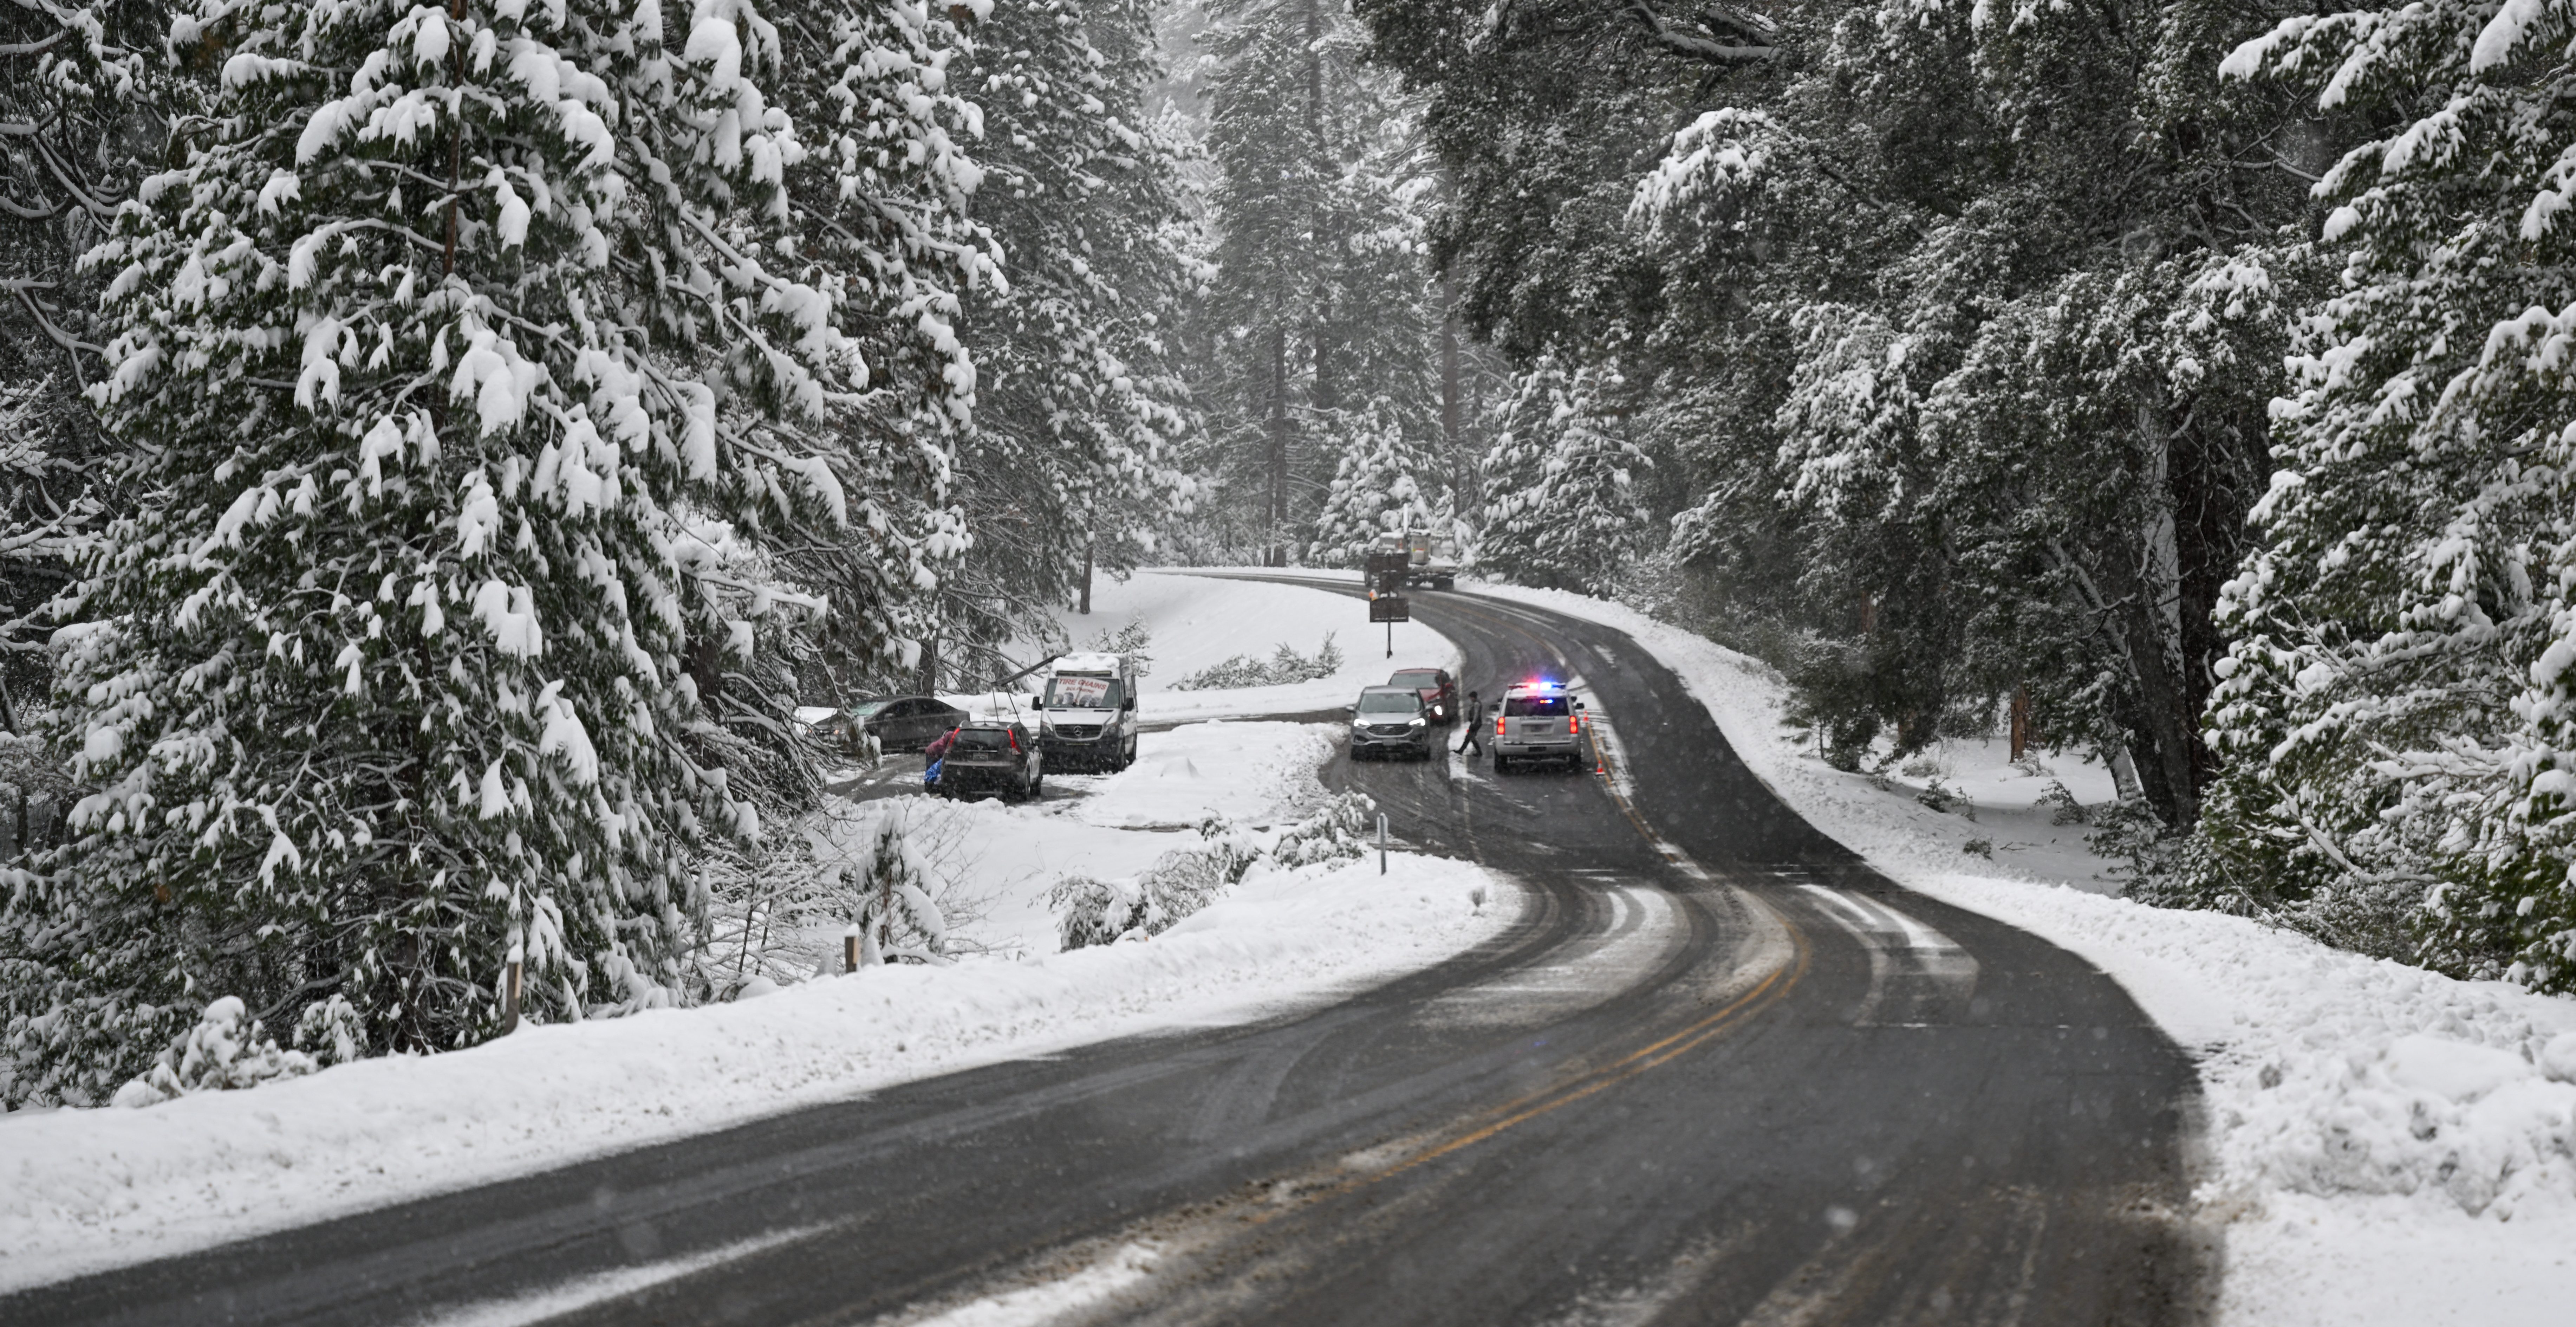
(1381, 843)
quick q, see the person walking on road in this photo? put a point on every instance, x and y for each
(1475, 726)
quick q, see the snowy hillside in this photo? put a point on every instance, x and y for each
(1197, 624)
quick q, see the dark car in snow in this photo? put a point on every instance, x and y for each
(1439, 691)
(998, 758)
(906, 723)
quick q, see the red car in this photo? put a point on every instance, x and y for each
(1439, 691)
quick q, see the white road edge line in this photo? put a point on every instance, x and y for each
(1033, 1305)
(599, 1287)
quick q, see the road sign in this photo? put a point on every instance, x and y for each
(1386, 571)
(1390, 608)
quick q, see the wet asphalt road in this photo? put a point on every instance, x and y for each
(1716, 1072)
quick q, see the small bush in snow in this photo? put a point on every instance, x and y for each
(2068, 810)
(1338, 832)
(1180, 882)
(226, 1050)
(1133, 640)
(1943, 798)
(1284, 666)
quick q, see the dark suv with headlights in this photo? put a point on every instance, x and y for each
(1390, 720)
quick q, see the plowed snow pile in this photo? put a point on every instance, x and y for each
(2390, 1146)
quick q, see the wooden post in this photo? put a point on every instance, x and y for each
(510, 998)
(850, 950)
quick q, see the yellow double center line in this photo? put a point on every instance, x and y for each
(1774, 987)
(1771, 990)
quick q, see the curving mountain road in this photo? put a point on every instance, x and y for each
(1718, 1072)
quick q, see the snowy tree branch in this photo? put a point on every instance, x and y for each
(1746, 38)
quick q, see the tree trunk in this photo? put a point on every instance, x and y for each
(1087, 551)
(2021, 733)
(1449, 433)
(1278, 521)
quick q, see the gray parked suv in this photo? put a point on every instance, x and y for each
(1390, 719)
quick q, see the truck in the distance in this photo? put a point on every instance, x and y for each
(1430, 559)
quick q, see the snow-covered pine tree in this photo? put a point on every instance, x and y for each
(1384, 481)
(1560, 483)
(450, 325)
(879, 204)
(81, 86)
(1321, 302)
(1080, 409)
(2398, 711)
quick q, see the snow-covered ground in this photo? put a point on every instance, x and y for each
(90, 1189)
(1196, 622)
(2388, 1146)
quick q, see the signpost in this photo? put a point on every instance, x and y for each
(1386, 572)
(1390, 609)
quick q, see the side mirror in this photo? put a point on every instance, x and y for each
(1578, 704)
(1127, 703)
(1038, 704)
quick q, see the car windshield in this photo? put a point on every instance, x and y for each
(1388, 702)
(1535, 707)
(1416, 677)
(1082, 693)
(983, 739)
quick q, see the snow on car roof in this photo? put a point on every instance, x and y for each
(812, 713)
(1089, 663)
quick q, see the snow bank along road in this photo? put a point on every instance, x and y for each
(1718, 1072)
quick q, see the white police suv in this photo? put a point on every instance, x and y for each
(1539, 720)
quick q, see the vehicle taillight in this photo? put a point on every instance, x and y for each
(1015, 740)
(1498, 725)
(1574, 723)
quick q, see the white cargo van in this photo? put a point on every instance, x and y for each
(1087, 716)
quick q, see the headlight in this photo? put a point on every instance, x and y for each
(1415, 722)
(1046, 727)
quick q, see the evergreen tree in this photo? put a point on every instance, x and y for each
(1322, 306)
(1561, 483)
(1868, 226)
(1383, 482)
(879, 206)
(81, 96)
(2398, 714)
(444, 343)
(1081, 412)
